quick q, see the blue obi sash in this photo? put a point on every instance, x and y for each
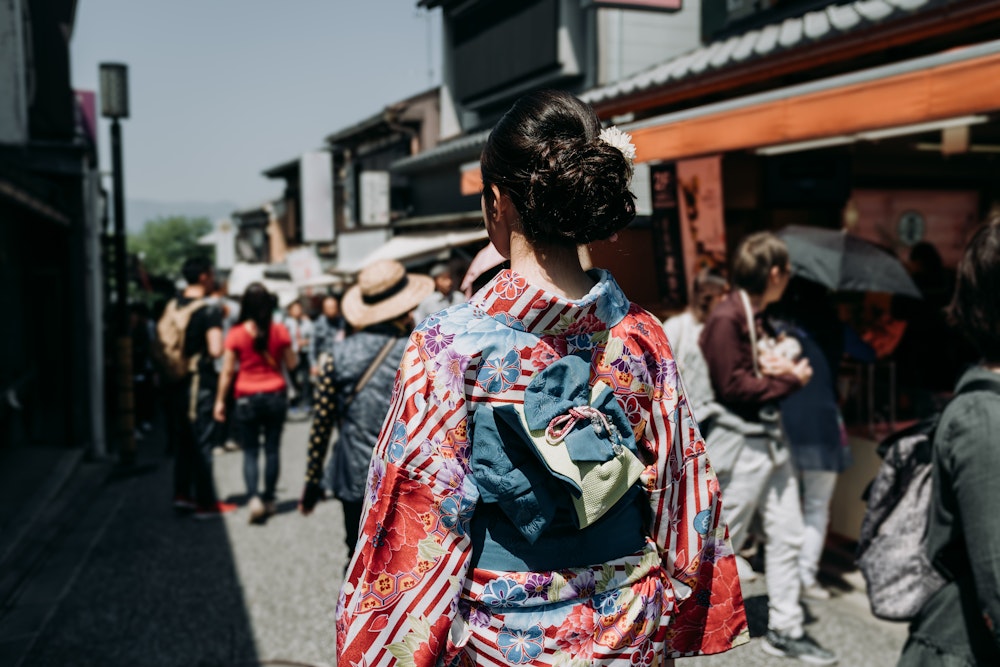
(556, 477)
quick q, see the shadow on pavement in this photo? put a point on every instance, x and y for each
(287, 507)
(155, 588)
(756, 607)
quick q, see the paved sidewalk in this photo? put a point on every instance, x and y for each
(151, 588)
(128, 582)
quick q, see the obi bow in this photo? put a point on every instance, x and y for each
(566, 432)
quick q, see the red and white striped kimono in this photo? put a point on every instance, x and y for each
(411, 597)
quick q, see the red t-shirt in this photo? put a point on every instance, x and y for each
(258, 373)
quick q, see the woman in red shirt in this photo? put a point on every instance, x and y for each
(262, 347)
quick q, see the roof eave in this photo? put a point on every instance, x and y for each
(281, 170)
(808, 56)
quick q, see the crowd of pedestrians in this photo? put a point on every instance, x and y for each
(572, 468)
(233, 371)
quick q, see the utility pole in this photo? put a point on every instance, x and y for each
(114, 105)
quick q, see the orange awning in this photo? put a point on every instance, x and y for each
(472, 179)
(954, 83)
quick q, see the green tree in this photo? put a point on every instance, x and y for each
(164, 243)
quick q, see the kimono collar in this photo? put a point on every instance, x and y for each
(510, 300)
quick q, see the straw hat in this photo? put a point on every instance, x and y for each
(384, 291)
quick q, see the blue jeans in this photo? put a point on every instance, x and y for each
(260, 415)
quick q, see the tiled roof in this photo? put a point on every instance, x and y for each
(463, 147)
(832, 21)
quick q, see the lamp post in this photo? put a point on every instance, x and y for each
(114, 105)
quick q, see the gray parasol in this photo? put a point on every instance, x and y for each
(844, 262)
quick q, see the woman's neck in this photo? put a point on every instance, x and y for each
(553, 268)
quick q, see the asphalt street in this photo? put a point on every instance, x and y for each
(129, 582)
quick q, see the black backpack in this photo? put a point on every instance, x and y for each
(892, 549)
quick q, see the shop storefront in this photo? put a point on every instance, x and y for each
(879, 118)
(906, 156)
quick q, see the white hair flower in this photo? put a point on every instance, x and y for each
(620, 140)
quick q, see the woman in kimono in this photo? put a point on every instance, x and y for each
(540, 494)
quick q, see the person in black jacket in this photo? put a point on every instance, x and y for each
(960, 624)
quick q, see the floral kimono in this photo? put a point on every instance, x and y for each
(418, 592)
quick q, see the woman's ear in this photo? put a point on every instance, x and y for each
(492, 203)
(497, 210)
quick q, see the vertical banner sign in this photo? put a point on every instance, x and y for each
(316, 170)
(86, 115)
(374, 197)
(703, 230)
(666, 225)
(641, 187)
(225, 244)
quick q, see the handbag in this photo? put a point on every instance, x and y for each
(367, 375)
(769, 414)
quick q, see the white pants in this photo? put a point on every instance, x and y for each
(817, 491)
(758, 484)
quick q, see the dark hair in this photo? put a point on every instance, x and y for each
(754, 259)
(708, 284)
(927, 257)
(567, 185)
(975, 308)
(257, 304)
(194, 267)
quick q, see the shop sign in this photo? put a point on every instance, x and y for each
(703, 230)
(911, 228)
(374, 197)
(225, 245)
(86, 117)
(899, 219)
(316, 171)
(641, 187)
(669, 251)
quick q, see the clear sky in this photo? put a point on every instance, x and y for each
(223, 89)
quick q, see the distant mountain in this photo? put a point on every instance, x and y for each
(140, 211)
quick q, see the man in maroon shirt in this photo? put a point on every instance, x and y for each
(748, 449)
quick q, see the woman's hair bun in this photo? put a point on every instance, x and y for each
(579, 192)
(568, 185)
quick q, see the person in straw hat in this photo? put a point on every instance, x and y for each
(355, 385)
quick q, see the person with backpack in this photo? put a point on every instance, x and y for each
(263, 350)
(959, 624)
(189, 341)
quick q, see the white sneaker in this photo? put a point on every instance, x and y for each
(815, 592)
(803, 648)
(744, 569)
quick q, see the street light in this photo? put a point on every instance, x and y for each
(114, 105)
(114, 90)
